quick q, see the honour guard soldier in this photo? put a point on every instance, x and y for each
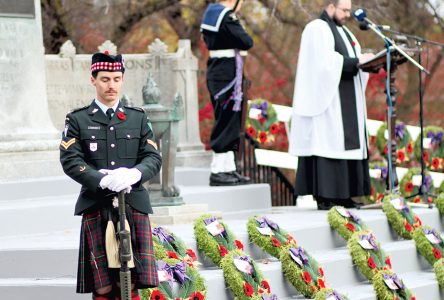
(109, 148)
(226, 40)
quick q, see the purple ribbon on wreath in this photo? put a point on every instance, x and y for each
(299, 252)
(354, 218)
(432, 231)
(436, 137)
(269, 297)
(179, 272)
(211, 220)
(400, 130)
(264, 222)
(163, 266)
(163, 235)
(428, 182)
(383, 171)
(395, 279)
(371, 239)
(248, 260)
(336, 295)
(263, 107)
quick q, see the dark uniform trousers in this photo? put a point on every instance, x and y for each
(91, 142)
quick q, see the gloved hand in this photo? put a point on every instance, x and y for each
(122, 179)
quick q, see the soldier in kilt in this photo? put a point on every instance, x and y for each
(108, 148)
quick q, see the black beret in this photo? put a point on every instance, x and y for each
(107, 62)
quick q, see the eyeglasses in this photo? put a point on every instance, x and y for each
(345, 10)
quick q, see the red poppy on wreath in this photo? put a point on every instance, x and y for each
(388, 262)
(386, 151)
(262, 120)
(321, 271)
(197, 296)
(409, 187)
(413, 298)
(266, 285)
(306, 276)
(191, 254)
(274, 128)
(418, 220)
(426, 156)
(157, 295)
(407, 225)
(222, 251)
(400, 155)
(290, 239)
(371, 262)
(275, 242)
(321, 283)
(172, 254)
(262, 137)
(380, 197)
(350, 227)
(435, 163)
(239, 245)
(409, 148)
(430, 200)
(251, 132)
(121, 116)
(417, 199)
(437, 253)
(248, 289)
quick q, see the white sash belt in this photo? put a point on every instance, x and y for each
(225, 53)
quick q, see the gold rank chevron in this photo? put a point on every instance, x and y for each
(67, 144)
(152, 143)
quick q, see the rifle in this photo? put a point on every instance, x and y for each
(125, 251)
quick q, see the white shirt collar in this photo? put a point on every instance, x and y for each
(104, 108)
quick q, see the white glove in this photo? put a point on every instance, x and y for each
(123, 179)
(105, 181)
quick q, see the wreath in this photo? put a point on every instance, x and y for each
(191, 286)
(429, 243)
(400, 215)
(344, 222)
(262, 123)
(439, 272)
(329, 294)
(389, 286)
(367, 254)
(378, 178)
(302, 270)
(268, 235)
(214, 238)
(168, 245)
(433, 148)
(409, 185)
(244, 278)
(439, 202)
(404, 142)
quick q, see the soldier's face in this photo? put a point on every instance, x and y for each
(108, 86)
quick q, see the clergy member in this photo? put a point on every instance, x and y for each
(328, 130)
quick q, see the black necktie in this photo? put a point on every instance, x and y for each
(110, 113)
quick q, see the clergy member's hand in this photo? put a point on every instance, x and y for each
(365, 57)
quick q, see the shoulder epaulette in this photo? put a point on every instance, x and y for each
(78, 109)
(135, 108)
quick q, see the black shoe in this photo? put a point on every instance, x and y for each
(348, 203)
(324, 204)
(222, 179)
(242, 179)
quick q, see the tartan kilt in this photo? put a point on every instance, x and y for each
(93, 272)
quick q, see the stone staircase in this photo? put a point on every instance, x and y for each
(38, 254)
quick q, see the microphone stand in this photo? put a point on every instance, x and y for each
(422, 191)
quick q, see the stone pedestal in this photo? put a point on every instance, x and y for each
(184, 214)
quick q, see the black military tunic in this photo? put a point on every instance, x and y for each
(92, 142)
(222, 30)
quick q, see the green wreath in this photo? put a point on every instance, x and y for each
(368, 261)
(264, 125)
(383, 292)
(169, 245)
(273, 243)
(378, 177)
(327, 293)
(404, 142)
(403, 221)
(305, 275)
(408, 189)
(431, 252)
(439, 272)
(439, 202)
(433, 156)
(215, 247)
(191, 284)
(344, 222)
(246, 284)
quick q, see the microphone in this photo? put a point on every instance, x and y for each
(366, 26)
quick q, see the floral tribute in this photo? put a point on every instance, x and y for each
(344, 222)
(410, 184)
(214, 238)
(400, 216)
(429, 244)
(329, 294)
(168, 245)
(177, 281)
(268, 235)
(439, 202)
(433, 148)
(404, 142)
(262, 124)
(367, 254)
(388, 286)
(378, 178)
(244, 278)
(439, 272)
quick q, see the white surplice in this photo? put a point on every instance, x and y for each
(316, 125)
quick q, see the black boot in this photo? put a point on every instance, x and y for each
(223, 179)
(242, 179)
(324, 203)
